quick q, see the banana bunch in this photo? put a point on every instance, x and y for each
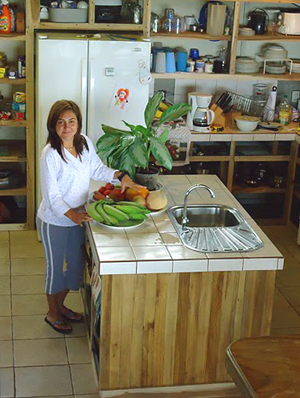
(162, 107)
(117, 213)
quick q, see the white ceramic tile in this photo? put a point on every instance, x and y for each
(251, 264)
(280, 263)
(284, 137)
(244, 89)
(159, 217)
(231, 264)
(200, 137)
(264, 137)
(151, 239)
(117, 268)
(206, 86)
(190, 265)
(170, 238)
(108, 254)
(145, 253)
(111, 240)
(102, 229)
(148, 226)
(268, 250)
(164, 226)
(242, 137)
(180, 98)
(226, 85)
(154, 267)
(220, 137)
(182, 253)
(184, 86)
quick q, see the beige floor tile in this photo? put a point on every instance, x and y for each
(25, 236)
(29, 304)
(4, 266)
(33, 327)
(40, 352)
(28, 266)
(87, 396)
(78, 350)
(83, 379)
(6, 383)
(4, 250)
(26, 249)
(292, 294)
(5, 328)
(43, 381)
(74, 301)
(4, 236)
(5, 306)
(33, 284)
(4, 285)
(78, 330)
(6, 355)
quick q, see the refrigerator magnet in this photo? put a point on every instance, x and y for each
(121, 98)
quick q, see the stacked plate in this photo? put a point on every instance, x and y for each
(274, 51)
(275, 68)
(295, 67)
(244, 31)
(246, 65)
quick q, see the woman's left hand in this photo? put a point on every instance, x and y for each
(128, 183)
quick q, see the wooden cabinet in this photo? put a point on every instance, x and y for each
(17, 154)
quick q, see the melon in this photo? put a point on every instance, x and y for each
(156, 200)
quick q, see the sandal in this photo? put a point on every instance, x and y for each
(72, 316)
(55, 325)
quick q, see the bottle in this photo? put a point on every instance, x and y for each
(5, 21)
(12, 20)
(269, 111)
(284, 111)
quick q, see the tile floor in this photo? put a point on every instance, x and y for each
(35, 361)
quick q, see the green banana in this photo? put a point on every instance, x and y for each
(92, 212)
(109, 220)
(135, 204)
(118, 214)
(133, 213)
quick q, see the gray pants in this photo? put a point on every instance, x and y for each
(64, 257)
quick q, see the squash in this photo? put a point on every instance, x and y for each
(156, 200)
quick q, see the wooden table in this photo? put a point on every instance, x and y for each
(266, 367)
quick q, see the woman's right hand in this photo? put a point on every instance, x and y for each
(78, 217)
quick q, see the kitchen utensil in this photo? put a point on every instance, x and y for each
(181, 61)
(259, 90)
(194, 53)
(257, 20)
(247, 123)
(200, 117)
(160, 65)
(170, 62)
(216, 19)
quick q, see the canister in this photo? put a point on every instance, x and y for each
(199, 65)
(190, 65)
(169, 13)
(208, 67)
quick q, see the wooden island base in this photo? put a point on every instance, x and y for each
(163, 330)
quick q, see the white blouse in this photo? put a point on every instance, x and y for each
(65, 185)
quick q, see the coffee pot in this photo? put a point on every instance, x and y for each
(200, 117)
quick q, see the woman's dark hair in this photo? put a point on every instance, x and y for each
(56, 111)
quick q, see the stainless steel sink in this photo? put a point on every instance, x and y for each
(214, 228)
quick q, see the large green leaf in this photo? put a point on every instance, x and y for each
(107, 141)
(161, 153)
(164, 136)
(127, 162)
(109, 129)
(174, 112)
(138, 152)
(152, 107)
(131, 126)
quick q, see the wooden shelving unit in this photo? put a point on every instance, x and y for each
(192, 35)
(14, 192)
(16, 152)
(260, 189)
(6, 80)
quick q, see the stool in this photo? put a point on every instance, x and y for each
(266, 367)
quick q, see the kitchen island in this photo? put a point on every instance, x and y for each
(168, 313)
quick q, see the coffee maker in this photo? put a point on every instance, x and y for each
(200, 117)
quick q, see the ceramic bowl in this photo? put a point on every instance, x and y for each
(247, 123)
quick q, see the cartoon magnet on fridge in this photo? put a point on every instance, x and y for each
(121, 98)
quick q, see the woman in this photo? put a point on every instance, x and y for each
(68, 161)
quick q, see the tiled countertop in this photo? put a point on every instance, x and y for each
(154, 246)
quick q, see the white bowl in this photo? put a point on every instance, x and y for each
(247, 123)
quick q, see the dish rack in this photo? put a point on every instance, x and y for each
(260, 58)
(247, 105)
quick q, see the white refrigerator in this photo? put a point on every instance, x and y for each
(107, 76)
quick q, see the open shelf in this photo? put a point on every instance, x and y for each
(13, 192)
(6, 80)
(261, 189)
(91, 26)
(13, 123)
(226, 76)
(268, 37)
(192, 35)
(13, 36)
(16, 150)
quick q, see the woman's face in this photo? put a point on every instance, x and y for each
(66, 126)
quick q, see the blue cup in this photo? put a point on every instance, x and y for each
(170, 62)
(194, 53)
(181, 61)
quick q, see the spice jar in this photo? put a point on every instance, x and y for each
(208, 67)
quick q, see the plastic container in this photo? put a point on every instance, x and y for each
(68, 15)
(285, 111)
(259, 90)
(5, 20)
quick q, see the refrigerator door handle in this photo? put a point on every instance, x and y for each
(83, 100)
(91, 96)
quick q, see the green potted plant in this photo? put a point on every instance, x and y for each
(131, 149)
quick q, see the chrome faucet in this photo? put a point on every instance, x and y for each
(185, 219)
